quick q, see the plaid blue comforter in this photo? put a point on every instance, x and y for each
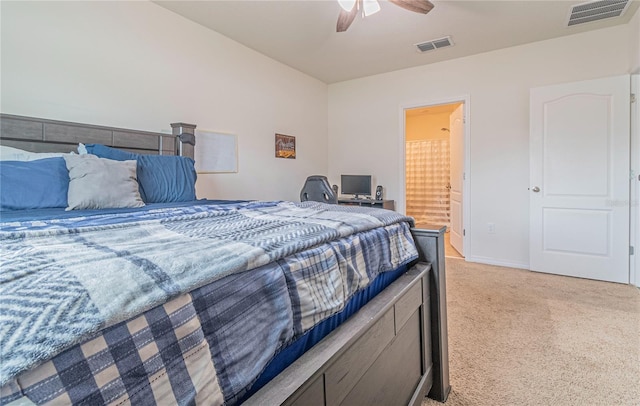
(76, 292)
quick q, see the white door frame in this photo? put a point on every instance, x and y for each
(402, 200)
(634, 198)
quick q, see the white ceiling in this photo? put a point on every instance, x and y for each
(302, 33)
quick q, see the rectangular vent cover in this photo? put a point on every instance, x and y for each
(435, 44)
(597, 10)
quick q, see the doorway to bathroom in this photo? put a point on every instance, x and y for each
(434, 170)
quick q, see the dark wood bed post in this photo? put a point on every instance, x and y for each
(185, 138)
(430, 244)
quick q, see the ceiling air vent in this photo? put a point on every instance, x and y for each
(597, 10)
(434, 44)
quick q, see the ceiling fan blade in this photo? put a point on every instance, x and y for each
(345, 18)
(418, 6)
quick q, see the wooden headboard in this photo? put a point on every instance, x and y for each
(43, 135)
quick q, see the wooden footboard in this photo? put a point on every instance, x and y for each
(430, 243)
(393, 351)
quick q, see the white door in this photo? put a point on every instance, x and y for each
(579, 191)
(456, 128)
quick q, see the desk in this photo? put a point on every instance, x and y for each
(378, 204)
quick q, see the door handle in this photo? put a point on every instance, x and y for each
(535, 189)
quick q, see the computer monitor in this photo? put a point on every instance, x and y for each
(358, 185)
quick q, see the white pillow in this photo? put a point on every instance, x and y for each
(99, 183)
(15, 154)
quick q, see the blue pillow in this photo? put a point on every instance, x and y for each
(162, 178)
(39, 184)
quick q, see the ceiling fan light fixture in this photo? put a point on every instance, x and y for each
(370, 7)
(347, 5)
(350, 8)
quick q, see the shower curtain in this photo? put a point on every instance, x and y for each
(428, 187)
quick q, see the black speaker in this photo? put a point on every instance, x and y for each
(378, 192)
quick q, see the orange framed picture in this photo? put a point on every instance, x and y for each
(285, 146)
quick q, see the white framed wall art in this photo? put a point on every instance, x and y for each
(216, 152)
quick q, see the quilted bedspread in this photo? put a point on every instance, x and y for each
(64, 280)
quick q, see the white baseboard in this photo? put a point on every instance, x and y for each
(521, 265)
(498, 262)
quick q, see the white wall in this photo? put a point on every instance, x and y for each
(365, 125)
(138, 65)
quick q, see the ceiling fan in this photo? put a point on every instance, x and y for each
(349, 9)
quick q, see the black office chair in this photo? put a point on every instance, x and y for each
(317, 189)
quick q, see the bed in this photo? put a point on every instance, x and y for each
(207, 302)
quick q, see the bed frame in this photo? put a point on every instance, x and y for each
(392, 351)
(42, 135)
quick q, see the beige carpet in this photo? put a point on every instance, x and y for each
(525, 338)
